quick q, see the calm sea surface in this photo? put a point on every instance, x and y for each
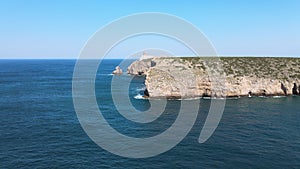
(39, 127)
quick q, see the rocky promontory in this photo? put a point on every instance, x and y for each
(177, 77)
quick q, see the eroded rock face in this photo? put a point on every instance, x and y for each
(283, 88)
(295, 90)
(146, 93)
(196, 77)
(139, 67)
(118, 70)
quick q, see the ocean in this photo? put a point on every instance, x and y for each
(40, 129)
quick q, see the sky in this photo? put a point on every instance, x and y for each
(59, 29)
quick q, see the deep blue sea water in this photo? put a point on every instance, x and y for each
(39, 127)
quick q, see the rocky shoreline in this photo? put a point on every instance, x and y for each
(188, 77)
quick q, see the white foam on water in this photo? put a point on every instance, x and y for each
(101, 74)
(141, 89)
(220, 98)
(192, 98)
(277, 97)
(262, 96)
(139, 96)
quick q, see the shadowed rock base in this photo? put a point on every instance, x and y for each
(295, 91)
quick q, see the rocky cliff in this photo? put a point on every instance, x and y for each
(224, 77)
(140, 67)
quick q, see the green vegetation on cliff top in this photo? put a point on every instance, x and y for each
(264, 67)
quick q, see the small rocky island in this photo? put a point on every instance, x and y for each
(186, 77)
(118, 71)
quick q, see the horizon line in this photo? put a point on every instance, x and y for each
(262, 56)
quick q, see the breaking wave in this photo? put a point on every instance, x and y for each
(141, 89)
(139, 96)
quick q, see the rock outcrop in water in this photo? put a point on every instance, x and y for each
(118, 70)
(176, 77)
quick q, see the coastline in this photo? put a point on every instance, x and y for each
(187, 77)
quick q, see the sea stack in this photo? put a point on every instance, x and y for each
(118, 70)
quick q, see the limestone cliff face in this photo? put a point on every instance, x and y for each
(139, 67)
(195, 77)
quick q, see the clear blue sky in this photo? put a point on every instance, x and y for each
(60, 28)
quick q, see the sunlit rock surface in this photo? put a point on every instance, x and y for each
(177, 77)
(118, 70)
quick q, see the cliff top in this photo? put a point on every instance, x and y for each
(263, 67)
